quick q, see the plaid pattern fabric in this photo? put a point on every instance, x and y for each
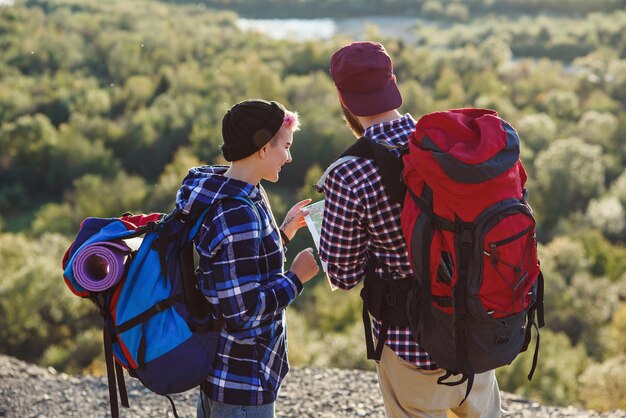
(241, 274)
(360, 219)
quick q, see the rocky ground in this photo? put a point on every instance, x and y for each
(28, 391)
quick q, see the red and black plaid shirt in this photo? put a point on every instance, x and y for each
(359, 219)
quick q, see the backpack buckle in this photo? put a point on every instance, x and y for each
(151, 226)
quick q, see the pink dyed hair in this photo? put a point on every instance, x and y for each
(291, 121)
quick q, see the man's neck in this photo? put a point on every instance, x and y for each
(388, 116)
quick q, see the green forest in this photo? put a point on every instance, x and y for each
(105, 105)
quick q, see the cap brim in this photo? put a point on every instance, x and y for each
(367, 104)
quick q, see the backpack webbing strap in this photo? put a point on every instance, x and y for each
(437, 221)
(465, 249)
(114, 373)
(540, 289)
(465, 377)
(121, 384)
(443, 301)
(426, 296)
(538, 309)
(169, 398)
(108, 357)
(470, 383)
(373, 353)
(142, 319)
(149, 313)
(536, 353)
(420, 250)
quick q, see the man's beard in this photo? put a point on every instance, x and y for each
(353, 122)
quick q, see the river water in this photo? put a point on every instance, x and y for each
(326, 28)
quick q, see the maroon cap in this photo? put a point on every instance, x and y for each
(363, 74)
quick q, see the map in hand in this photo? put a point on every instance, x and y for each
(314, 220)
(314, 223)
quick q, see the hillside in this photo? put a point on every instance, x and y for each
(105, 105)
(30, 391)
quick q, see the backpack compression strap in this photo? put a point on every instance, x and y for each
(114, 372)
(531, 323)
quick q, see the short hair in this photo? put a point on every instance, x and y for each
(291, 122)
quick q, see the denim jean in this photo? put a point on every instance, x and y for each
(208, 408)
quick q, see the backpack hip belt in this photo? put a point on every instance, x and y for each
(384, 298)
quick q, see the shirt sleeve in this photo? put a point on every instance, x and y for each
(246, 300)
(343, 238)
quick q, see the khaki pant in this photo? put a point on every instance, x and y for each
(411, 392)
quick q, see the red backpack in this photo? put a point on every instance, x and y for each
(471, 240)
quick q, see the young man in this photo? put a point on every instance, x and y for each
(241, 259)
(362, 224)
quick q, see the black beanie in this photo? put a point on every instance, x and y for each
(248, 126)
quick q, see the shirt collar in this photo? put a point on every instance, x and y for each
(383, 130)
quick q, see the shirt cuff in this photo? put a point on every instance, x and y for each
(296, 281)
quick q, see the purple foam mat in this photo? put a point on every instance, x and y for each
(100, 266)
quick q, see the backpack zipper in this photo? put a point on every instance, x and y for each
(520, 234)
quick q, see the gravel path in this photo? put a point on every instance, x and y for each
(28, 391)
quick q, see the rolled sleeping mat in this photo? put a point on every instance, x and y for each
(101, 265)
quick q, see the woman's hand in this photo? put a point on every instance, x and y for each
(295, 219)
(304, 265)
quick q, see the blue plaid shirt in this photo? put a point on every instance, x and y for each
(359, 218)
(241, 274)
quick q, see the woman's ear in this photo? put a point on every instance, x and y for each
(263, 151)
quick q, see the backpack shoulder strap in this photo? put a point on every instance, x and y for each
(200, 219)
(251, 204)
(196, 301)
(389, 164)
(320, 183)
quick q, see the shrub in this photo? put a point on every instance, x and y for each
(555, 379)
(603, 386)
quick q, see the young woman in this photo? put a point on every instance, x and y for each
(241, 259)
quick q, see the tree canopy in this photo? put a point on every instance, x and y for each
(104, 106)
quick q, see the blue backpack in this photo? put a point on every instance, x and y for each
(157, 323)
